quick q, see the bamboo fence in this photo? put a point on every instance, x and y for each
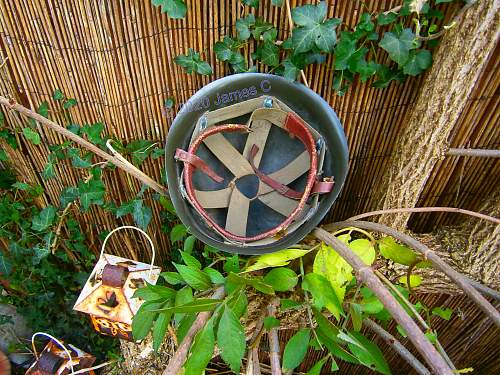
(116, 58)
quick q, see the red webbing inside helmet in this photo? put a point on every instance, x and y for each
(296, 127)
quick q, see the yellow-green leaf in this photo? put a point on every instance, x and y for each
(415, 280)
(277, 259)
(363, 249)
(390, 249)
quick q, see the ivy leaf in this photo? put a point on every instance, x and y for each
(400, 254)
(296, 350)
(281, 279)
(142, 214)
(93, 132)
(398, 47)
(268, 53)
(58, 95)
(69, 103)
(224, 50)
(91, 192)
(386, 75)
(68, 195)
(32, 135)
(418, 62)
(344, 50)
(386, 19)
(309, 15)
(243, 26)
(44, 219)
(140, 150)
(251, 3)
(291, 70)
(260, 28)
(201, 350)
(43, 109)
(231, 339)
(48, 171)
(125, 209)
(192, 63)
(174, 8)
(195, 278)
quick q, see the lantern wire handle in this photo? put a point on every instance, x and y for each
(138, 229)
(56, 341)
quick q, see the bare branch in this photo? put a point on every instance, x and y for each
(397, 346)
(179, 358)
(274, 343)
(368, 277)
(426, 209)
(477, 152)
(459, 279)
(134, 171)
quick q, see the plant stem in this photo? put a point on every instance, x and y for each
(457, 278)
(473, 152)
(274, 344)
(397, 346)
(177, 361)
(129, 168)
(367, 276)
(425, 209)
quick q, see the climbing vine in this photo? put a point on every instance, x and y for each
(382, 47)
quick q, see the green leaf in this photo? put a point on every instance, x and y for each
(189, 244)
(174, 8)
(160, 329)
(277, 259)
(215, 276)
(232, 264)
(418, 62)
(400, 254)
(142, 214)
(44, 219)
(334, 268)
(32, 135)
(296, 349)
(385, 19)
(366, 352)
(201, 351)
(48, 171)
(239, 303)
(125, 209)
(281, 279)
(140, 150)
(243, 26)
(443, 313)
(398, 47)
(323, 294)
(277, 3)
(231, 339)
(190, 260)
(356, 316)
(268, 53)
(318, 366)
(58, 95)
(43, 109)
(93, 133)
(194, 277)
(154, 292)
(5, 265)
(91, 192)
(443, 1)
(431, 336)
(251, 3)
(415, 280)
(184, 325)
(69, 103)
(192, 63)
(344, 50)
(224, 50)
(288, 304)
(385, 75)
(173, 278)
(255, 282)
(178, 232)
(271, 322)
(309, 15)
(364, 249)
(183, 296)
(2, 118)
(143, 320)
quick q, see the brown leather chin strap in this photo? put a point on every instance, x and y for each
(272, 188)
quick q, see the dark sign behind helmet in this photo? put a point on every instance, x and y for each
(254, 162)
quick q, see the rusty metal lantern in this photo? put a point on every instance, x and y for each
(59, 359)
(107, 295)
